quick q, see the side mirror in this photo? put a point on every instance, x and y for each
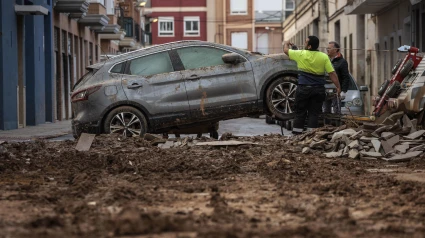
(233, 58)
(364, 88)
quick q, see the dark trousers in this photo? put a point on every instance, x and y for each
(308, 101)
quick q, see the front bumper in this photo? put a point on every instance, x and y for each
(90, 128)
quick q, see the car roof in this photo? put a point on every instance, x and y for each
(155, 48)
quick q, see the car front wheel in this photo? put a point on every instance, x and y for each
(280, 97)
(126, 121)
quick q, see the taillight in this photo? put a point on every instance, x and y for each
(83, 95)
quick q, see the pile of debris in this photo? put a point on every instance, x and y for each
(396, 139)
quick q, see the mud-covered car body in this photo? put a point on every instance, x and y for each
(170, 89)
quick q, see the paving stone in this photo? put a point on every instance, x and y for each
(393, 140)
(417, 148)
(405, 157)
(339, 134)
(401, 148)
(318, 144)
(333, 154)
(353, 154)
(387, 135)
(354, 144)
(306, 150)
(376, 145)
(415, 135)
(371, 154)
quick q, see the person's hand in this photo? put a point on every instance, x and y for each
(342, 96)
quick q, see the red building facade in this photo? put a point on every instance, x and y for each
(178, 20)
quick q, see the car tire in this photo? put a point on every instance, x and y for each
(396, 66)
(270, 120)
(214, 134)
(282, 91)
(392, 91)
(127, 121)
(406, 68)
(383, 88)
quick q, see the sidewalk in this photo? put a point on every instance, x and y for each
(47, 131)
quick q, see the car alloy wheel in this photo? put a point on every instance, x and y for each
(283, 97)
(126, 123)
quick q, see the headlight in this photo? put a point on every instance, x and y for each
(357, 102)
(348, 104)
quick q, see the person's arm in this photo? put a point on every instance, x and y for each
(286, 47)
(334, 78)
(345, 81)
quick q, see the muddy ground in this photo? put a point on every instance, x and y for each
(127, 188)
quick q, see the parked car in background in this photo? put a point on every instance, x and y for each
(181, 85)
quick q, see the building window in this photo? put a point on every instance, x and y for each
(191, 26)
(240, 40)
(238, 7)
(290, 5)
(166, 26)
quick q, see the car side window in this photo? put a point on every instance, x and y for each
(117, 68)
(150, 65)
(199, 57)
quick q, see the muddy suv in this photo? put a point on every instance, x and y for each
(181, 85)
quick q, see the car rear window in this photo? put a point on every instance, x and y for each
(85, 78)
(117, 68)
(199, 57)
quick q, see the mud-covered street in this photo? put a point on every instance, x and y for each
(127, 187)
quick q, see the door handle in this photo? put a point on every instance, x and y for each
(193, 77)
(134, 86)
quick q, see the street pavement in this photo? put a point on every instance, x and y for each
(61, 130)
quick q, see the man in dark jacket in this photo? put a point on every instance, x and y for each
(341, 68)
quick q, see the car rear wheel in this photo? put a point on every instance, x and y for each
(406, 68)
(280, 97)
(126, 121)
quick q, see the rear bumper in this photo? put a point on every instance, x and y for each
(90, 128)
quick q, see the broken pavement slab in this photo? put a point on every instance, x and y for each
(346, 132)
(333, 154)
(376, 144)
(371, 154)
(387, 135)
(417, 148)
(401, 148)
(415, 135)
(85, 141)
(405, 157)
(353, 154)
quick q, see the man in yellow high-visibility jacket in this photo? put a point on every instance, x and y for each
(310, 94)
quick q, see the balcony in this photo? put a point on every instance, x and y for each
(366, 6)
(76, 8)
(109, 29)
(128, 42)
(116, 36)
(96, 22)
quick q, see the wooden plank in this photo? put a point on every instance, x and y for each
(85, 141)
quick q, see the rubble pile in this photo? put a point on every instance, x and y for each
(396, 139)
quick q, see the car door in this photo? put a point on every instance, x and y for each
(214, 88)
(152, 82)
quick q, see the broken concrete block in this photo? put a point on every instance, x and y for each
(415, 135)
(407, 122)
(405, 157)
(353, 154)
(393, 118)
(417, 148)
(387, 135)
(356, 135)
(386, 147)
(306, 150)
(388, 122)
(345, 151)
(393, 140)
(414, 124)
(85, 141)
(401, 148)
(346, 140)
(376, 145)
(370, 126)
(354, 144)
(371, 154)
(333, 154)
(371, 150)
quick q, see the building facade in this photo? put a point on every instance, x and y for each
(168, 20)
(26, 56)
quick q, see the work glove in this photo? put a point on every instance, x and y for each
(342, 96)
